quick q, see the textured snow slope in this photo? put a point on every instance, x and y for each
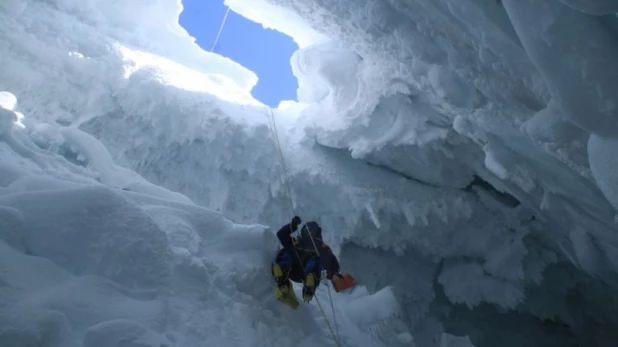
(439, 143)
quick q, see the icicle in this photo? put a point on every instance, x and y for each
(408, 213)
(493, 165)
(372, 214)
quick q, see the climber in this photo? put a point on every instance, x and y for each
(298, 260)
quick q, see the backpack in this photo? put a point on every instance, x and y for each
(311, 230)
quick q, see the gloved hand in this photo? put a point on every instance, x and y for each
(295, 223)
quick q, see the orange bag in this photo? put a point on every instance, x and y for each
(344, 282)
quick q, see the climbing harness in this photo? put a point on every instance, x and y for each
(214, 44)
(284, 181)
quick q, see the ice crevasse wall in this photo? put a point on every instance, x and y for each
(461, 152)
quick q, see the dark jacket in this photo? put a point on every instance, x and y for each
(304, 249)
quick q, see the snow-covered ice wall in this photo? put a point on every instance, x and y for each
(516, 96)
(459, 154)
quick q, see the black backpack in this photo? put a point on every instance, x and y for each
(307, 232)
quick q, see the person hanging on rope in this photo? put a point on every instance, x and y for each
(302, 259)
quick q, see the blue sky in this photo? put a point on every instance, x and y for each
(265, 52)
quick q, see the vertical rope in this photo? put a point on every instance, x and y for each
(332, 307)
(289, 193)
(284, 173)
(286, 185)
(332, 332)
(227, 12)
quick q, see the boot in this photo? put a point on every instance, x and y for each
(309, 287)
(283, 283)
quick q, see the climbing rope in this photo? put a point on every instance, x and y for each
(220, 30)
(332, 308)
(284, 175)
(284, 180)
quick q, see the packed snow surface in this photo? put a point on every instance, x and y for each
(460, 156)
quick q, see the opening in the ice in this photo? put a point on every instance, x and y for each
(266, 52)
